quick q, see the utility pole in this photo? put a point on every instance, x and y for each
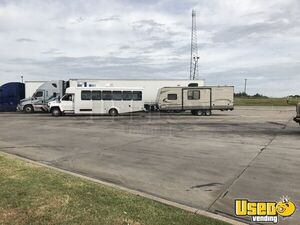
(22, 78)
(194, 73)
(245, 87)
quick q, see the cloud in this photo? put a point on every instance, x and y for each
(110, 18)
(52, 51)
(25, 40)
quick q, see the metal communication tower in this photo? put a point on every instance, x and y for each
(194, 73)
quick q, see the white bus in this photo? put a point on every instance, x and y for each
(98, 100)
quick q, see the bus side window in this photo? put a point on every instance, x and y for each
(106, 95)
(86, 95)
(96, 95)
(117, 95)
(127, 95)
(137, 95)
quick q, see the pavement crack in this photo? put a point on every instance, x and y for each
(222, 194)
(206, 185)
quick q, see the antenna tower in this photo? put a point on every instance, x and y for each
(194, 73)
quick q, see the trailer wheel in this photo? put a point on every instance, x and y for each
(194, 112)
(56, 112)
(200, 113)
(208, 112)
(113, 112)
(28, 109)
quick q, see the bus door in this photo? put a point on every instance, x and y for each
(85, 105)
(97, 102)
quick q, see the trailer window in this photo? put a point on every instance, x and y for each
(117, 95)
(193, 95)
(86, 95)
(96, 95)
(137, 96)
(106, 95)
(127, 95)
(172, 96)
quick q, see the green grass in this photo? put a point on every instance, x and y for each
(31, 194)
(244, 101)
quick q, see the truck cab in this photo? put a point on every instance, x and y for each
(297, 117)
(10, 96)
(47, 92)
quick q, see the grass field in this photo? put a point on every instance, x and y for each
(31, 194)
(244, 101)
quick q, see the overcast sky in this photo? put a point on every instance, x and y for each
(237, 39)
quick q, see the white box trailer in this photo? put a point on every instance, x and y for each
(200, 100)
(150, 86)
(31, 87)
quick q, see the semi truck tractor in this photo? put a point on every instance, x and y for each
(47, 92)
(297, 117)
(10, 96)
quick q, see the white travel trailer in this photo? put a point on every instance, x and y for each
(150, 86)
(200, 100)
(98, 100)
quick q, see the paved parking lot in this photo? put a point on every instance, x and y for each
(203, 162)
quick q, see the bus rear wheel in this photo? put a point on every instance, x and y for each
(113, 112)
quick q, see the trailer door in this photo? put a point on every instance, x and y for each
(196, 98)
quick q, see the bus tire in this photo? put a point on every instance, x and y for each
(56, 112)
(28, 109)
(113, 112)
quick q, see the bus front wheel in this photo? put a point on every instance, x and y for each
(56, 112)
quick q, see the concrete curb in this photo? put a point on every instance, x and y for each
(138, 193)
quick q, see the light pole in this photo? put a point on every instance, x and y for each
(245, 86)
(22, 78)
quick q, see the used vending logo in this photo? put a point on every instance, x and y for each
(264, 211)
